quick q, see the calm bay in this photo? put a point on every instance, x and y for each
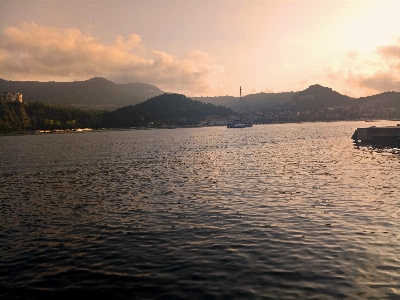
(269, 212)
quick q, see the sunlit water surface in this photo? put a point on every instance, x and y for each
(273, 211)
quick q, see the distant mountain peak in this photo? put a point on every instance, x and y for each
(317, 96)
(99, 80)
(317, 88)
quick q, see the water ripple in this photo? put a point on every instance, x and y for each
(276, 211)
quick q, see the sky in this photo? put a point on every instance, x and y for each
(205, 47)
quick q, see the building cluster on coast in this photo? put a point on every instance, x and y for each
(11, 97)
(330, 114)
(323, 114)
(62, 130)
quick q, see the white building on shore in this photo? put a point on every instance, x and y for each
(11, 97)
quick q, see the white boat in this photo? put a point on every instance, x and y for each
(240, 123)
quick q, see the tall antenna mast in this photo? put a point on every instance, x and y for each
(241, 105)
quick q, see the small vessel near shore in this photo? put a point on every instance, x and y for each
(240, 123)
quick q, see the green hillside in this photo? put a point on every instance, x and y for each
(17, 116)
(170, 109)
(387, 100)
(316, 97)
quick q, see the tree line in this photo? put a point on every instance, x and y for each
(16, 116)
(166, 109)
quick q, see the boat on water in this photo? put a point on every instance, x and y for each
(240, 123)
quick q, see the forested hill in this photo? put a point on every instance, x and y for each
(255, 102)
(16, 116)
(98, 92)
(167, 109)
(316, 97)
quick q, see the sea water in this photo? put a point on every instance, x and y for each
(269, 212)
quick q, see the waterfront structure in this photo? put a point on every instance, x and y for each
(217, 121)
(387, 136)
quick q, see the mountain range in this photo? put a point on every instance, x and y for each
(97, 93)
(100, 93)
(317, 97)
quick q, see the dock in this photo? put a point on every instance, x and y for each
(384, 136)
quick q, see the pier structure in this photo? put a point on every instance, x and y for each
(385, 136)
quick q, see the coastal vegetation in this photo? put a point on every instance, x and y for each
(16, 116)
(316, 103)
(166, 109)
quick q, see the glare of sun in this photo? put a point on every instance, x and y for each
(372, 24)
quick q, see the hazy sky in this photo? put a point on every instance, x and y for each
(201, 47)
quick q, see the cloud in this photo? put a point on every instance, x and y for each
(32, 52)
(363, 75)
(352, 55)
(390, 52)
